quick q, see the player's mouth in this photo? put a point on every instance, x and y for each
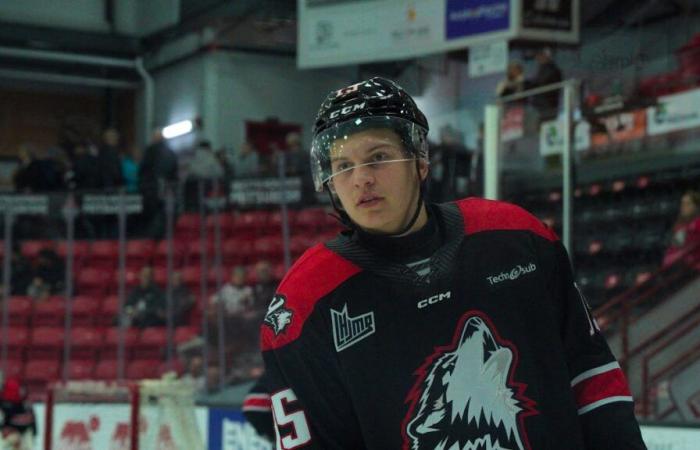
(369, 200)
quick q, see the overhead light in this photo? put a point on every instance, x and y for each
(177, 129)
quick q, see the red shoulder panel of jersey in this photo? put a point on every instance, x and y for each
(317, 273)
(485, 215)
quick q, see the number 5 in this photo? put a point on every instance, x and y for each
(300, 434)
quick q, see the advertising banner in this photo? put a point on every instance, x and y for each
(550, 15)
(466, 18)
(265, 191)
(229, 431)
(552, 137)
(675, 112)
(670, 438)
(621, 127)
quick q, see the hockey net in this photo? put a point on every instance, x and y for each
(146, 415)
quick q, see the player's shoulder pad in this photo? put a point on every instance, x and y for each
(315, 274)
(490, 215)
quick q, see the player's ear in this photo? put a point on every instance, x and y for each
(423, 168)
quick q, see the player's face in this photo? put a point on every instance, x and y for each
(375, 181)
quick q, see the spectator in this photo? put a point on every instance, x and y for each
(265, 285)
(452, 166)
(514, 81)
(235, 296)
(38, 289)
(22, 273)
(108, 162)
(246, 162)
(205, 165)
(195, 372)
(158, 168)
(548, 72)
(183, 300)
(297, 162)
(37, 171)
(85, 173)
(130, 169)
(686, 231)
(145, 305)
(50, 268)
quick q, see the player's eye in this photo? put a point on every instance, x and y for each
(342, 166)
(379, 157)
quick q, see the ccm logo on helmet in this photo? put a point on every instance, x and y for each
(434, 299)
(347, 110)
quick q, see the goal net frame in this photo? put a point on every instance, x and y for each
(174, 399)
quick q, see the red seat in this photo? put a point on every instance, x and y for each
(46, 343)
(31, 249)
(50, 312)
(106, 369)
(81, 370)
(279, 271)
(14, 368)
(20, 310)
(85, 343)
(226, 221)
(184, 334)
(191, 276)
(109, 311)
(152, 343)
(299, 244)
(310, 219)
(269, 247)
(194, 252)
(141, 369)
(17, 341)
(38, 372)
(177, 366)
(250, 221)
(187, 226)
(85, 310)
(237, 251)
(139, 252)
(109, 349)
(93, 282)
(161, 252)
(104, 255)
(274, 223)
(81, 250)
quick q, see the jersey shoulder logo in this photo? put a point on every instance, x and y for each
(278, 317)
(348, 331)
(466, 397)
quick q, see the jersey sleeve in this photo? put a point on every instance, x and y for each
(602, 395)
(310, 405)
(308, 397)
(257, 409)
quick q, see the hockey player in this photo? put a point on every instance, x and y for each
(17, 419)
(452, 327)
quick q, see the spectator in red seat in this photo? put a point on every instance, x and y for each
(235, 296)
(183, 300)
(265, 285)
(246, 161)
(145, 303)
(686, 231)
(17, 420)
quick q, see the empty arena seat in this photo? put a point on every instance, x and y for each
(41, 371)
(17, 341)
(49, 312)
(250, 221)
(226, 224)
(46, 343)
(141, 369)
(184, 334)
(106, 369)
(274, 222)
(237, 251)
(310, 219)
(31, 249)
(85, 343)
(268, 247)
(84, 309)
(178, 251)
(14, 368)
(139, 252)
(20, 310)
(81, 250)
(93, 282)
(81, 370)
(151, 343)
(112, 335)
(187, 226)
(104, 255)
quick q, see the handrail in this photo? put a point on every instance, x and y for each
(647, 358)
(678, 364)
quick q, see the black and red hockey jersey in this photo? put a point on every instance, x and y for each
(492, 348)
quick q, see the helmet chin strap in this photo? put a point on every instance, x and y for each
(345, 219)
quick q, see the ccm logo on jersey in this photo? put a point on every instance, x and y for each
(434, 299)
(347, 110)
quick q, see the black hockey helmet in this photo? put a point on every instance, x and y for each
(374, 103)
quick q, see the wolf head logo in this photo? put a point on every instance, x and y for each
(277, 316)
(465, 398)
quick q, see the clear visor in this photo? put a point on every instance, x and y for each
(364, 143)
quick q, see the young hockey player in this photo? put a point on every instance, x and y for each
(452, 327)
